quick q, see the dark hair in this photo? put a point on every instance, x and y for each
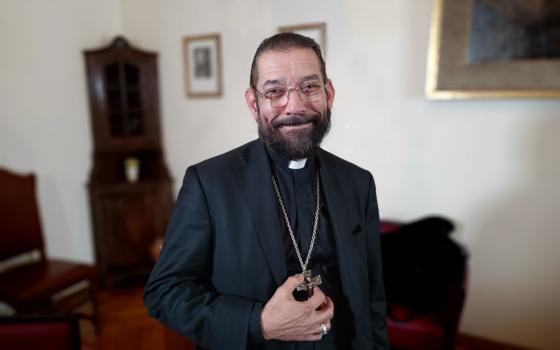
(284, 42)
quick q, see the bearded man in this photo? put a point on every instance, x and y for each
(275, 244)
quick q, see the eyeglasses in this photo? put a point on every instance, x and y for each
(279, 96)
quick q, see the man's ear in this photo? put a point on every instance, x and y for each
(251, 99)
(330, 93)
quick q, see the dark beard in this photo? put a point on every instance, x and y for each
(303, 143)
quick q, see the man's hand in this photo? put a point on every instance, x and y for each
(285, 318)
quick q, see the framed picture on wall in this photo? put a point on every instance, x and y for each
(202, 65)
(316, 31)
(494, 49)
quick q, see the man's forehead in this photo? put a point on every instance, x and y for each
(285, 64)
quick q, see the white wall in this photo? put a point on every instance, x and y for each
(492, 166)
(44, 115)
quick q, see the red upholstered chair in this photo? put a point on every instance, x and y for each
(30, 287)
(40, 332)
(425, 283)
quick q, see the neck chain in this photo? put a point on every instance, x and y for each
(315, 223)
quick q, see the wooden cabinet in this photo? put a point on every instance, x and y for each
(128, 214)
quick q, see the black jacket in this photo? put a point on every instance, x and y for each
(223, 253)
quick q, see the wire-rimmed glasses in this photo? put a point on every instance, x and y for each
(279, 96)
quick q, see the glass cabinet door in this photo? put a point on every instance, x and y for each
(124, 103)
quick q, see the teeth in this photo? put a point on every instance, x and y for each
(295, 122)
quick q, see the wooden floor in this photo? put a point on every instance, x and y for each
(125, 324)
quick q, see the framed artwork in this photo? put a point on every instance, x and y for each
(202, 65)
(316, 31)
(494, 49)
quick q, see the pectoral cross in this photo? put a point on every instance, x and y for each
(309, 283)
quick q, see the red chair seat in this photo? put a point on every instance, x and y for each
(34, 281)
(419, 333)
(40, 332)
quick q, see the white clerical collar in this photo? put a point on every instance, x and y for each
(297, 164)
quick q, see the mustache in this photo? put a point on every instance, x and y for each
(296, 119)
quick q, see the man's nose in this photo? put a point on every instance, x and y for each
(296, 103)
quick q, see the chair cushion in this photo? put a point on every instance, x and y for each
(39, 332)
(419, 333)
(38, 281)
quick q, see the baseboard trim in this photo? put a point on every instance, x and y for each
(474, 342)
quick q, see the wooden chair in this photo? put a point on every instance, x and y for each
(29, 288)
(425, 276)
(40, 332)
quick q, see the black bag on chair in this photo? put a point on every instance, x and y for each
(420, 260)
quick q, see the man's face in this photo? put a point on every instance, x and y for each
(297, 124)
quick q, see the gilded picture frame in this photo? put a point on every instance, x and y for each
(488, 49)
(202, 65)
(316, 31)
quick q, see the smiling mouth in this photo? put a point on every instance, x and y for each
(295, 126)
(295, 122)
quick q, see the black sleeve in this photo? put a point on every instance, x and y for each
(179, 292)
(376, 286)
